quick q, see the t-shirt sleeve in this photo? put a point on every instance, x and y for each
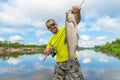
(49, 43)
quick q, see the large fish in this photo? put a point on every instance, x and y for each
(71, 38)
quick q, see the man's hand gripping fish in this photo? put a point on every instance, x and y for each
(71, 39)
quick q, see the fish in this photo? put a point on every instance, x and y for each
(71, 38)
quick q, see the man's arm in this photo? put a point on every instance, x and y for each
(47, 51)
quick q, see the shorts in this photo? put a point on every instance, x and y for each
(62, 73)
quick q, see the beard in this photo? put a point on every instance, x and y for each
(54, 30)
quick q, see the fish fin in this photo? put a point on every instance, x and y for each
(77, 36)
(77, 42)
(77, 48)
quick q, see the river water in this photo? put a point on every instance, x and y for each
(94, 65)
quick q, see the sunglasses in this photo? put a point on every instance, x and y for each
(49, 26)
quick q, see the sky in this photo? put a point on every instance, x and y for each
(23, 21)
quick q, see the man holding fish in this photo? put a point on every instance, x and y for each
(65, 42)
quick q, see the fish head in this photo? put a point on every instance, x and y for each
(68, 16)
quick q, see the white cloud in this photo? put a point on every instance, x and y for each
(103, 59)
(42, 41)
(86, 60)
(101, 38)
(95, 28)
(12, 15)
(14, 61)
(40, 32)
(5, 30)
(86, 43)
(91, 15)
(82, 27)
(16, 38)
(19, 12)
(85, 37)
(107, 24)
(91, 43)
(103, 7)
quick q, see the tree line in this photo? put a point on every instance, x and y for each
(110, 47)
(17, 44)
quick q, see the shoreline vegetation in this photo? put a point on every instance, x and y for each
(9, 48)
(14, 50)
(110, 48)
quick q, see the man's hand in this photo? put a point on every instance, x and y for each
(74, 10)
(47, 51)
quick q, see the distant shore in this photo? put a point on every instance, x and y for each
(4, 50)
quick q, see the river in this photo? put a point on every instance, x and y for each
(94, 65)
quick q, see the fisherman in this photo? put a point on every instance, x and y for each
(57, 43)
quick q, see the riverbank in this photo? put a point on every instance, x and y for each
(4, 50)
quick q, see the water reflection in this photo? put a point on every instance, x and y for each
(98, 66)
(26, 67)
(95, 66)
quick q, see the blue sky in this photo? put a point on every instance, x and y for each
(24, 20)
